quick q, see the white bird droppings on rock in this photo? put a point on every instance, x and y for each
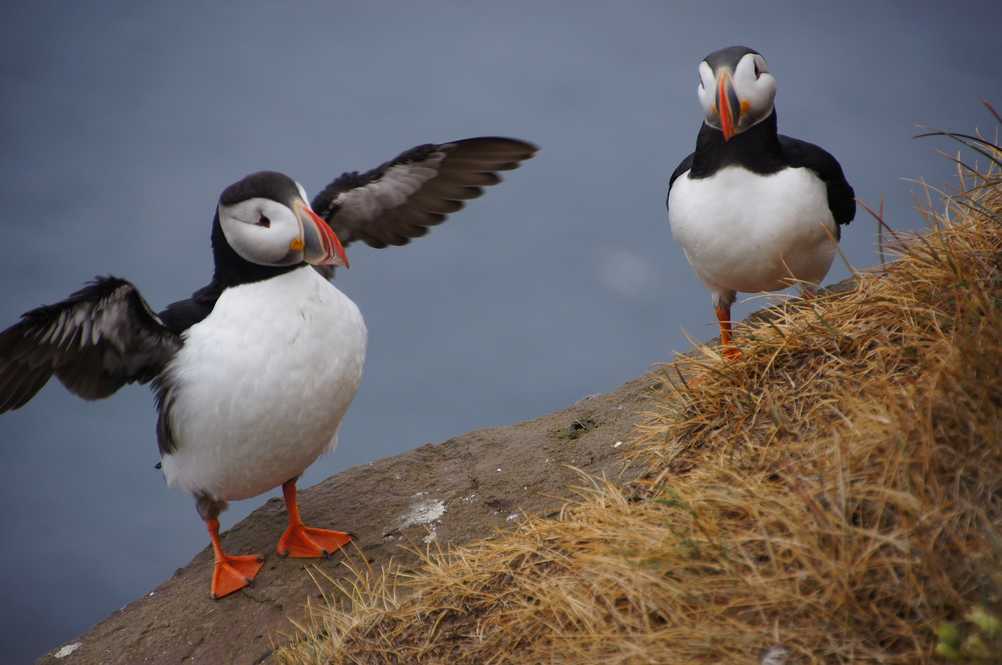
(423, 512)
(67, 650)
(512, 517)
(617, 444)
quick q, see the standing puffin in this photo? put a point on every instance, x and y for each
(252, 374)
(753, 210)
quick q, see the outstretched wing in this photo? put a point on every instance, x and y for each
(97, 340)
(399, 200)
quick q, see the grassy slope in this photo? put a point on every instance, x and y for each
(837, 491)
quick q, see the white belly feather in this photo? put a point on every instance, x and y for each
(262, 383)
(746, 232)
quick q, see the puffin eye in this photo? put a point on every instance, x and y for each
(758, 72)
(264, 221)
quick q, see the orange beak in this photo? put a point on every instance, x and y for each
(322, 247)
(728, 107)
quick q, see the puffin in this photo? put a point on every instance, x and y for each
(753, 210)
(254, 372)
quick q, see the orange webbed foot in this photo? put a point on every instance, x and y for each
(731, 352)
(304, 542)
(232, 573)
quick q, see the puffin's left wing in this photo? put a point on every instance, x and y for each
(96, 341)
(841, 197)
(399, 200)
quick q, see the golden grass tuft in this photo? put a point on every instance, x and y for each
(833, 496)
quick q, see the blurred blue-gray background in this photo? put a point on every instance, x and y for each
(122, 121)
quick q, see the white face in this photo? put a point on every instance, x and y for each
(752, 84)
(263, 231)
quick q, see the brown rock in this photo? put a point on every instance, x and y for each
(482, 481)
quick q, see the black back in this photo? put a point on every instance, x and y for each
(183, 314)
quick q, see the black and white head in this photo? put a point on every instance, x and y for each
(736, 90)
(266, 220)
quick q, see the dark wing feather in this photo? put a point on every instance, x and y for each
(683, 166)
(183, 314)
(97, 340)
(399, 200)
(841, 197)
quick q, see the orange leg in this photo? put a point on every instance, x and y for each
(231, 573)
(731, 352)
(304, 542)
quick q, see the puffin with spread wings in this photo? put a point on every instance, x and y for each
(253, 373)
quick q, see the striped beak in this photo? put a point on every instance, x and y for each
(728, 106)
(321, 244)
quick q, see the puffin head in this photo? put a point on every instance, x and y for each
(736, 90)
(266, 220)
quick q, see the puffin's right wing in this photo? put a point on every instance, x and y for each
(399, 200)
(97, 340)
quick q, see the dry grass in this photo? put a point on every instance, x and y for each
(835, 495)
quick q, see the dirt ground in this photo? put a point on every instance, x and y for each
(462, 489)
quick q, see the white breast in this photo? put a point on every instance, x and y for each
(261, 385)
(747, 232)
